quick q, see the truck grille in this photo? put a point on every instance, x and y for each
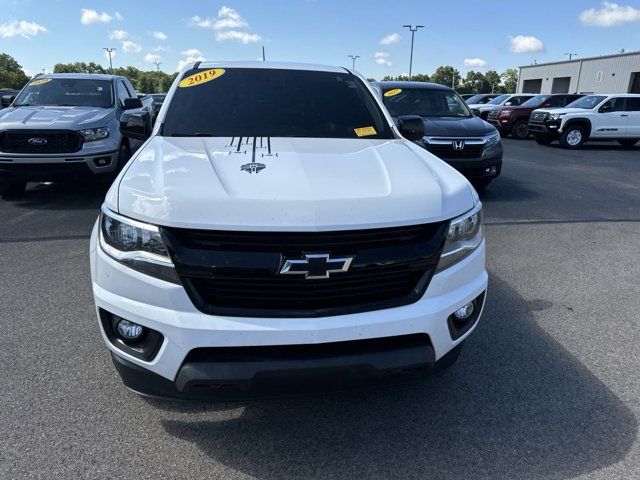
(237, 273)
(447, 150)
(538, 117)
(40, 141)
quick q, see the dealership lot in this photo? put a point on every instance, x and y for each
(546, 388)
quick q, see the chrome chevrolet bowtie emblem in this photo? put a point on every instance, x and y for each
(458, 144)
(317, 265)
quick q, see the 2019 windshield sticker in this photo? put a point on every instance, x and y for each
(391, 93)
(365, 131)
(201, 77)
(35, 83)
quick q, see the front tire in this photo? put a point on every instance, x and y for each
(543, 140)
(520, 130)
(628, 142)
(573, 137)
(13, 190)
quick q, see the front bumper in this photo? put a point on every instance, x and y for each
(550, 128)
(166, 308)
(56, 167)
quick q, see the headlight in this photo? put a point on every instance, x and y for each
(505, 113)
(492, 139)
(556, 116)
(135, 244)
(91, 134)
(463, 237)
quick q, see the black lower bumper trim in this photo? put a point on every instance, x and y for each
(476, 169)
(206, 376)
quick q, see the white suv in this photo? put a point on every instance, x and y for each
(594, 117)
(276, 229)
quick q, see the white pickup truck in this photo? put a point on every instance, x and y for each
(594, 117)
(278, 229)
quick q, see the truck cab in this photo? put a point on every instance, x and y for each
(63, 126)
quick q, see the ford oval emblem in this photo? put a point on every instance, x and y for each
(37, 141)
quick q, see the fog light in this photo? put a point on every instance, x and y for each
(492, 169)
(462, 313)
(129, 330)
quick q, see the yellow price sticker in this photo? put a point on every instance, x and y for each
(391, 93)
(201, 77)
(40, 81)
(365, 131)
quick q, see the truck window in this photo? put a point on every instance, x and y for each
(633, 104)
(251, 102)
(588, 102)
(426, 103)
(121, 91)
(72, 92)
(555, 102)
(616, 104)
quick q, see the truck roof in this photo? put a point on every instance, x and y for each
(93, 76)
(414, 85)
(267, 65)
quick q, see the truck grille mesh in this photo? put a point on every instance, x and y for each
(49, 141)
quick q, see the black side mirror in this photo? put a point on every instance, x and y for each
(411, 127)
(131, 103)
(7, 100)
(135, 125)
(605, 108)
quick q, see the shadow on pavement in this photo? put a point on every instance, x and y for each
(78, 195)
(517, 405)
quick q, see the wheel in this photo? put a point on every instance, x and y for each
(481, 184)
(449, 358)
(520, 130)
(13, 190)
(628, 142)
(123, 156)
(573, 137)
(543, 140)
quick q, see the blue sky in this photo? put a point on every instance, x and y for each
(469, 34)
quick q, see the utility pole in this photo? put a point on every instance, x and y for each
(109, 50)
(412, 29)
(353, 61)
(264, 57)
(571, 55)
(157, 64)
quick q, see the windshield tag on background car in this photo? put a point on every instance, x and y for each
(365, 131)
(201, 77)
(393, 92)
(35, 83)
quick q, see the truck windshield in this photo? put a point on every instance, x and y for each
(498, 100)
(535, 102)
(425, 103)
(241, 102)
(479, 99)
(73, 92)
(588, 102)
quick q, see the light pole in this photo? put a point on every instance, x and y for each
(157, 64)
(353, 60)
(109, 50)
(412, 29)
(571, 55)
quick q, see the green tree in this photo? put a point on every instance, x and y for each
(371, 79)
(11, 73)
(78, 67)
(510, 80)
(446, 75)
(475, 82)
(402, 78)
(493, 79)
(420, 77)
(387, 78)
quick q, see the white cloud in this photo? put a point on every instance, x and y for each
(382, 58)
(159, 48)
(610, 15)
(184, 61)
(159, 35)
(228, 25)
(118, 35)
(389, 39)
(131, 47)
(525, 44)
(118, 16)
(475, 62)
(21, 28)
(152, 58)
(244, 37)
(192, 52)
(88, 16)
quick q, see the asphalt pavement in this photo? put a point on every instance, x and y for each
(546, 387)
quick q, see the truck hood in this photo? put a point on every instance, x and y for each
(562, 110)
(282, 184)
(64, 118)
(456, 127)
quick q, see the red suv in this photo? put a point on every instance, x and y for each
(514, 120)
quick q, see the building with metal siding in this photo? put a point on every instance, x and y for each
(618, 73)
